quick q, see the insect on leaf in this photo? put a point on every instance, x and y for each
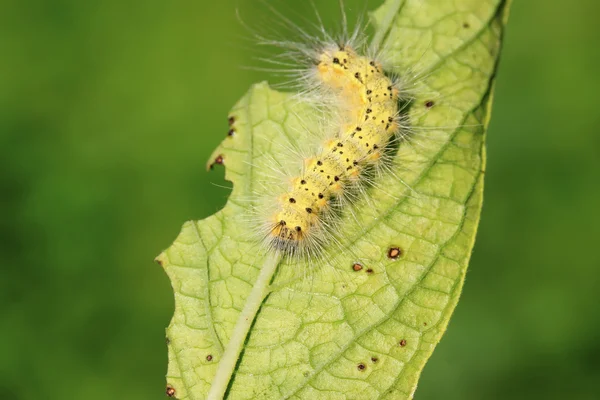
(360, 321)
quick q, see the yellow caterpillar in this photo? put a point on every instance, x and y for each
(367, 105)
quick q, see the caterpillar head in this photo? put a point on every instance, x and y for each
(333, 64)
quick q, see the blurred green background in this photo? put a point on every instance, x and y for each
(108, 111)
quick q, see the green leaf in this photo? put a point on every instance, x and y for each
(324, 330)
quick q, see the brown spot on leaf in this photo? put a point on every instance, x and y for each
(394, 253)
(402, 343)
(170, 391)
(231, 120)
(361, 367)
(429, 103)
(209, 357)
(374, 359)
(357, 267)
(219, 160)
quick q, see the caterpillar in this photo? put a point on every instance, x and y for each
(362, 118)
(367, 101)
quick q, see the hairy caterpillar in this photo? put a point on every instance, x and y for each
(345, 77)
(368, 105)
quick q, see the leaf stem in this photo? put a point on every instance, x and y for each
(240, 331)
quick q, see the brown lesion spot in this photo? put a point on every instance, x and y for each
(429, 103)
(209, 357)
(370, 271)
(394, 253)
(218, 161)
(171, 392)
(231, 120)
(374, 359)
(402, 343)
(361, 367)
(357, 267)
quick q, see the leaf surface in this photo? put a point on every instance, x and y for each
(325, 330)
